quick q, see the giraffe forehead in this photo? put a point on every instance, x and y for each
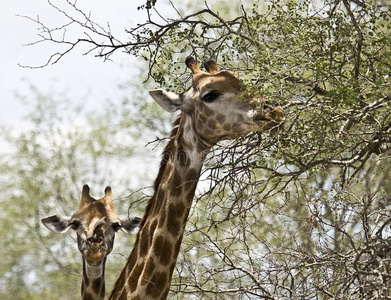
(224, 81)
(94, 210)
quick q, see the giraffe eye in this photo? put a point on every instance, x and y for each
(211, 96)
(116, 226)
(75, 225)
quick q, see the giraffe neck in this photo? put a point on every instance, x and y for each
(93, 284)
(149, 269)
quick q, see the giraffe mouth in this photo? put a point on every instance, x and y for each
(95, 251)
(272, 122)
(95, 246)
(259, 117)
(273, 115)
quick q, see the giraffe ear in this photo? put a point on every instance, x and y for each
(167, 100)
(131, 225)
(58, 223)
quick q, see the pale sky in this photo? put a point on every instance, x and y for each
(85, 79)
(81, 76)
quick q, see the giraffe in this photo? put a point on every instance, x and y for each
(215, 107)
(95, 223)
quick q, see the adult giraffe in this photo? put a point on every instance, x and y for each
(95, 223)
(215, 107)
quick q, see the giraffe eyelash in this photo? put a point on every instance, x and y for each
(211, 96)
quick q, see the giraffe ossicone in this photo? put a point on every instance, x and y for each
(95, 223)
(215, 107)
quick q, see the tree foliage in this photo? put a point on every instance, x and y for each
(303, 214)
(63, 147)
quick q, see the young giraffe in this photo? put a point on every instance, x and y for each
(95, 223)
(215, 107)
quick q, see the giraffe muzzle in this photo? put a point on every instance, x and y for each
(97, 240)
(270, 118)
(96, 248)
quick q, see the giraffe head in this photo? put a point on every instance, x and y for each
(219, 105)
(95, 223)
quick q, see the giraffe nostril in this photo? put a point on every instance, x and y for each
(96, 238)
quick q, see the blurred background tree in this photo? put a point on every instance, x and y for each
(303, 214)
(65, 146)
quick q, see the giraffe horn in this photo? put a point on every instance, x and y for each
(108, 198)
(192, 65)
(211, 66)
(85, 196)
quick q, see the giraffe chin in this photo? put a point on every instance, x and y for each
(95, 252)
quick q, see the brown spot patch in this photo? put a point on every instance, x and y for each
(157, 285)
(162, 218)
(162, 248)
(191, 181)
(212, 124)
(143, 241)
(200, 124)
(220, 118)
(148, 271)
(192, 175)
(207, 111)
(159, 200)
(133, 279)
(182, 157)
(175, 213)
(96, 285)
(176, 184)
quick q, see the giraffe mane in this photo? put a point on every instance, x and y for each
(167, 152)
